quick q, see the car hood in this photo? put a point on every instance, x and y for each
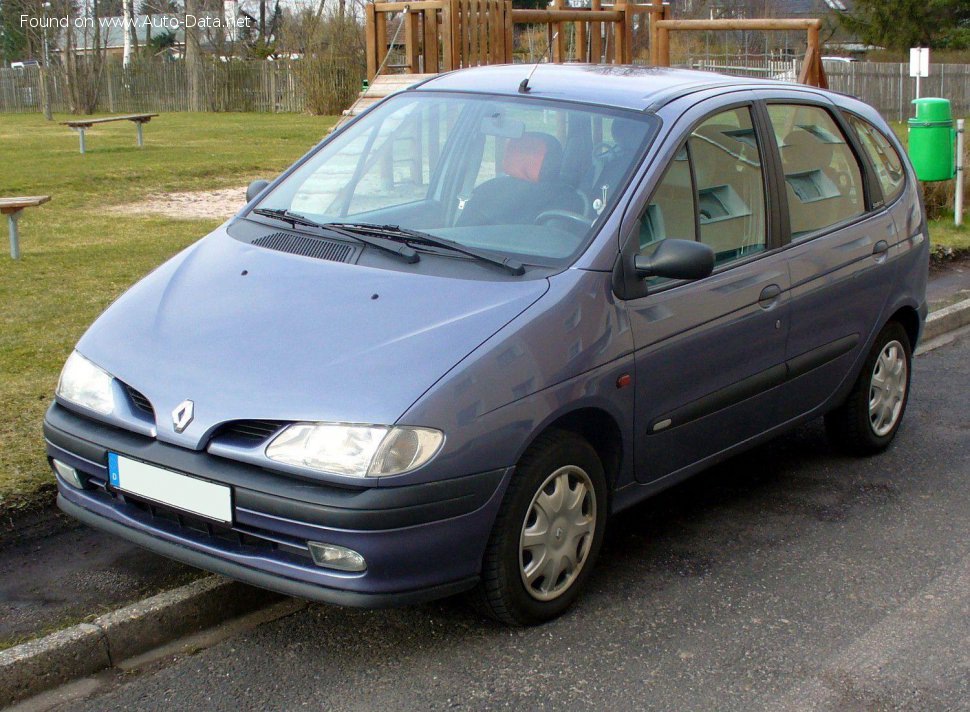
(249, 333)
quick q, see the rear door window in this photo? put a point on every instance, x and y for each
(823, 179)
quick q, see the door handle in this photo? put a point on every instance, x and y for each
(880, 250)
(769, 296)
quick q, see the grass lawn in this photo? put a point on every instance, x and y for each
(77, 257)
(943, 233)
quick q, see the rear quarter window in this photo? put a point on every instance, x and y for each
(884, 158)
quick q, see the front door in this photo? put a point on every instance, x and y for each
(710, 354)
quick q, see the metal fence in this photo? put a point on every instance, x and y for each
(286, 87)
(164, 86)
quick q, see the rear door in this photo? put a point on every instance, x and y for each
(709, 353)
(840, 235)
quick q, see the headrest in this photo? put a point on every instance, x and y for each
(803, 151)
(532, 157)
(627, 134)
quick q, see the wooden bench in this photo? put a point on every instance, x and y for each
(11, 207)
(80, 125)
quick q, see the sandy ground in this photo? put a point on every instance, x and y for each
(190, 206)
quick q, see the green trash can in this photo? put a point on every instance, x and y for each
(931, 140)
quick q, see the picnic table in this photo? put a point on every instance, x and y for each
(80, 125)
(11, 207)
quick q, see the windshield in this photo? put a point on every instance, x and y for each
(520, 177)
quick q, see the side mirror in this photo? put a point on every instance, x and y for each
(676, 259)
(255, 188)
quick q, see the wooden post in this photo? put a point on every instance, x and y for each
(464, 27)
(429, 18)
(448, 36)
(556, 35)
(483, 23)
(581, 41)
(596, 37)
(628, 11)
(411, 39)
(620, 34)
(370, 17)
(656, 14)
(663, 47)
(507, 20)
(496, 25)
(380, 35)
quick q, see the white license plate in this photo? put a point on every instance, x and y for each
(157, 484)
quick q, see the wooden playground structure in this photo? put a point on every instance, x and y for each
(441, 35)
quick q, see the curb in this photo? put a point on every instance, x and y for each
(87, 648)
(947, 319)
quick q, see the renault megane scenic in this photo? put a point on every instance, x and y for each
(438, 352)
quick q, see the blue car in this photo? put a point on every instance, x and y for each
(438, 352)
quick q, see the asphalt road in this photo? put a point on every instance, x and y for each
(789, 578)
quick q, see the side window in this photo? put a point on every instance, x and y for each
(670, 213)
(885, 159)
(728, 200)
(730, 185)
(822, 176)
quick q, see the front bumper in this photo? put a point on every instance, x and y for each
(420, 541)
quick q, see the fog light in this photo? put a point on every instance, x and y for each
(67, 473)
(331, 556)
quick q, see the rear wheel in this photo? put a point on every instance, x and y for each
(547, 533)
(868, 420)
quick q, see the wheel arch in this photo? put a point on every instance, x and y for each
(908, 318)
(599, 428)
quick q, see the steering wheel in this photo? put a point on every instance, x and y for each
(547, 215)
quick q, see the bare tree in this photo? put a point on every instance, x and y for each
(82, 66)
(193, 65)
(131, 40)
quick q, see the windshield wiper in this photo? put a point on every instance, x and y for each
(381, 243)
(425, 238)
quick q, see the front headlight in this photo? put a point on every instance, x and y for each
(355, 450)
(86, 385)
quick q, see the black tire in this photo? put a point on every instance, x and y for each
(502, 593)
(854, 427)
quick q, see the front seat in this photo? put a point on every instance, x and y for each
(530, 185)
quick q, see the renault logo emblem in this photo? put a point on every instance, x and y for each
(182, 415)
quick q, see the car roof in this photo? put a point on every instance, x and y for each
(620, 86)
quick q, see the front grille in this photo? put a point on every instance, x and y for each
(140, 402)
(250, 432)
(316, 247)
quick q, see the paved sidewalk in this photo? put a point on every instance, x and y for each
(55, 572)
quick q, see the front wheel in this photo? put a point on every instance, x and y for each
(547, 533)
(868, 420)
